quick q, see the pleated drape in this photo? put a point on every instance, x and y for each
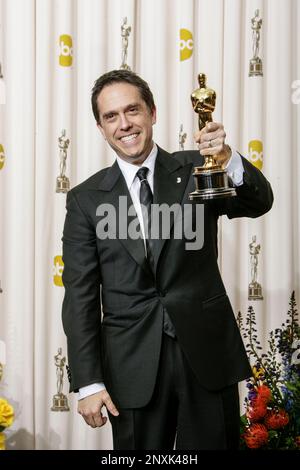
(51, 52)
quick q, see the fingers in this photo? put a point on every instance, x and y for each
(90, 408)
(99, 420)
(212, 130)
(208, 136)
(95, 421)
(211, 147)
(110, 406)
(211, 138)
(213, 126)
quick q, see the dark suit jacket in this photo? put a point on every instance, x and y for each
(123, 350)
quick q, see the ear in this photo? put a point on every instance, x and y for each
(154, 115)
(101, 130)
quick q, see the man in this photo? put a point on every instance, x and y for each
(167, 357)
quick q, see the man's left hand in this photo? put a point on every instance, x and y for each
(211, 140)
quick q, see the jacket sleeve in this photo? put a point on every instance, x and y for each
(254, 197)
(81, 311)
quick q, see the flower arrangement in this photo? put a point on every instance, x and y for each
(6, 416)
(272, 406)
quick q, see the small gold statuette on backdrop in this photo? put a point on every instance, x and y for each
(254, 288)
(60, 401)
(125, 32)
(211, 179)
(255, 66)
(182, 138)
(62, 181)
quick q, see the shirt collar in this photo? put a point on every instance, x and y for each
(129, 170)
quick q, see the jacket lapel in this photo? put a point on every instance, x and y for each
(170, 181)
(115, 184)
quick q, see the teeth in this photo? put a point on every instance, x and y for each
(128, 138)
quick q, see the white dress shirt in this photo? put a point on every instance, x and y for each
(234, 169)
(133, 183)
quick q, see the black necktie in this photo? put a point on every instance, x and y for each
(146, 199)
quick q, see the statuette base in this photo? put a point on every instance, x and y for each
(255, 67)
(60, 403)
(255, 291)
(62, 184)
(211, 184)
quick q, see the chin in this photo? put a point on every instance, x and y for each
(135, 156)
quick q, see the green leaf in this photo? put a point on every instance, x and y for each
(244, 420)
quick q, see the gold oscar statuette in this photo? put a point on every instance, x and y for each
(211, 180)
(62, 181)
(60, 401)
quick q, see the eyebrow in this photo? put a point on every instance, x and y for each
(132, 105)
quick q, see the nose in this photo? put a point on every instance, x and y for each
(125, 124)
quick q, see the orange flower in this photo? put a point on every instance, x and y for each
(276, 419)
(297, 441)
(256, 436)
(264, 393)
(256, 410)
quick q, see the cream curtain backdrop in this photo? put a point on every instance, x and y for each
(44, 96)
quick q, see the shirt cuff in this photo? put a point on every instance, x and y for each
(235, 168)
(90, 390)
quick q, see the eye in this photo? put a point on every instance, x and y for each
(133, 110)
(110, 116)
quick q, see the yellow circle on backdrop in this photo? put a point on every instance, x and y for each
(186, 44)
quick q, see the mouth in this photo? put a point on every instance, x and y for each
(129, 138)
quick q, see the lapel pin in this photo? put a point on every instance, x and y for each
(178, 180)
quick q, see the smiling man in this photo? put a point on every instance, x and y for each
(151, 332)
(126, 122)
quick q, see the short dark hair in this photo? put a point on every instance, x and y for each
(117, 76)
